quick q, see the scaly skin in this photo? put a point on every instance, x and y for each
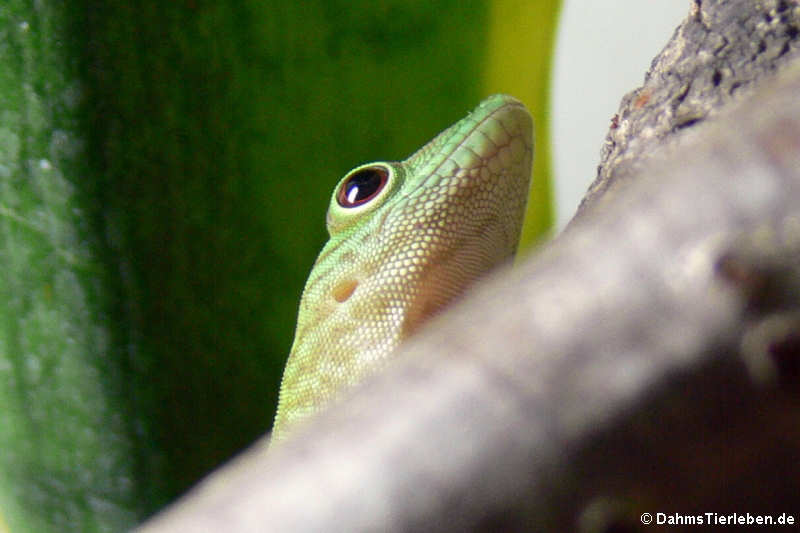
(445, 216)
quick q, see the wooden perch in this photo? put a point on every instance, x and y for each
(647, 360)
(718, 55)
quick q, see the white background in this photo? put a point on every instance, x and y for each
(602, 52)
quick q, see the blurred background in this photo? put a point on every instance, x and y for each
(165, 168)
(602, 52)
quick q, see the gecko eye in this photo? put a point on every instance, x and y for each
(362, 186)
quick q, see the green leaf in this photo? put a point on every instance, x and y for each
(221, 129)
(65, 446)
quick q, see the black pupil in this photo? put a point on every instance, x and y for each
(362, 186)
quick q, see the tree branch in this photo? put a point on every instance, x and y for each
(716, 57)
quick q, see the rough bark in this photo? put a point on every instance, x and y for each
(715, 57)
(644, 361)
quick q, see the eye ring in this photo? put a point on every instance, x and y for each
(362, 185)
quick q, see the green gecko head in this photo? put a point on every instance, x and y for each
(406, 238)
